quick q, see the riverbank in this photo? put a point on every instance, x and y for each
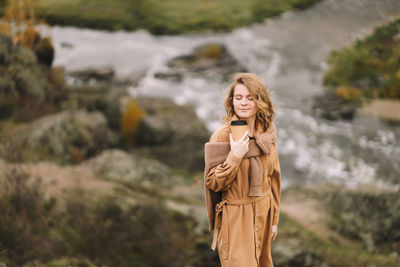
(365, 76)
(387, 109)
(164, 17)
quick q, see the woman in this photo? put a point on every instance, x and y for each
(242, 178)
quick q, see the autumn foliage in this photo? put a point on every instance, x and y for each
(19, 22)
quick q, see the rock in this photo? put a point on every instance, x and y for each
(44, 51)
(290, 252)
(133, 169)
(172, 133)
(71, 136)
(109, 101)
(6, 47)
(107, 96)
(97, 74)
(175, 76)
(331, 107)
(211, 60)
(25, 85)
(67, 45)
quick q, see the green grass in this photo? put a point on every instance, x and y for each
(164, 17)
(330, 252)
(368, 69)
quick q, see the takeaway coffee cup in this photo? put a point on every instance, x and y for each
(238, 128)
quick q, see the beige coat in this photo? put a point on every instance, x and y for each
(242, 230)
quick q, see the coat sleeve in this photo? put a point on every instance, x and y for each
(220, 177)
(276, 188)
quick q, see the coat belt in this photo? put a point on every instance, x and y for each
(221, 220)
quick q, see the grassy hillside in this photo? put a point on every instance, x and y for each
(368, 69)
(164, 17)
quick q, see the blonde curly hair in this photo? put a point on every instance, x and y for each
(258, 90)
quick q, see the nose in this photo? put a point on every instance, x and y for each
(244, 101)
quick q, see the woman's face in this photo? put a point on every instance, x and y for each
(243, 103)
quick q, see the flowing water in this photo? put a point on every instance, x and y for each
(289, 53)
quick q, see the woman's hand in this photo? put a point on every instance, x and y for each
(274, 232)
(241, 146)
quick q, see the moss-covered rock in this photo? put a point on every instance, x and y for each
(172, 133)
(291, 252)
(212, 60)
(135, 170)
(332, 107)
(70, 136)
(26, 87)
(44, 51)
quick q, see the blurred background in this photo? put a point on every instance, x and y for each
(105, 106)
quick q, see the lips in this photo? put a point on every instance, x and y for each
(244, 110)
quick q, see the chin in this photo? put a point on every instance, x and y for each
(243, 116)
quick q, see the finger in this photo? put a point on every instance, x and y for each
(246, 140)
(230, 138)
(244, 136)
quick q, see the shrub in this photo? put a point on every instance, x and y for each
(370, 217)
(24, 218)
(348, 93)
(100, 230)
(130, 122)
(371, 65)
(27, 89)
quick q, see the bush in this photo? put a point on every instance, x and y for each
(130, 122)
(373, 218)
(27, 87)
(106, 231)
(24, 218)
(370, 65)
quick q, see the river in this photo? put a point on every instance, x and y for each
(289, 52)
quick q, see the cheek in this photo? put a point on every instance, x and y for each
(254, 107)
(235, 103)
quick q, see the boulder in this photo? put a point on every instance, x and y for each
(332, 107)
(105, 100)
(290, 252)
(108, 97)
(172, 133)
(175, 76)
(211, 60)
(97, 74)
(44, 51)
(133, 169)
(25, 85)
(71, 136)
